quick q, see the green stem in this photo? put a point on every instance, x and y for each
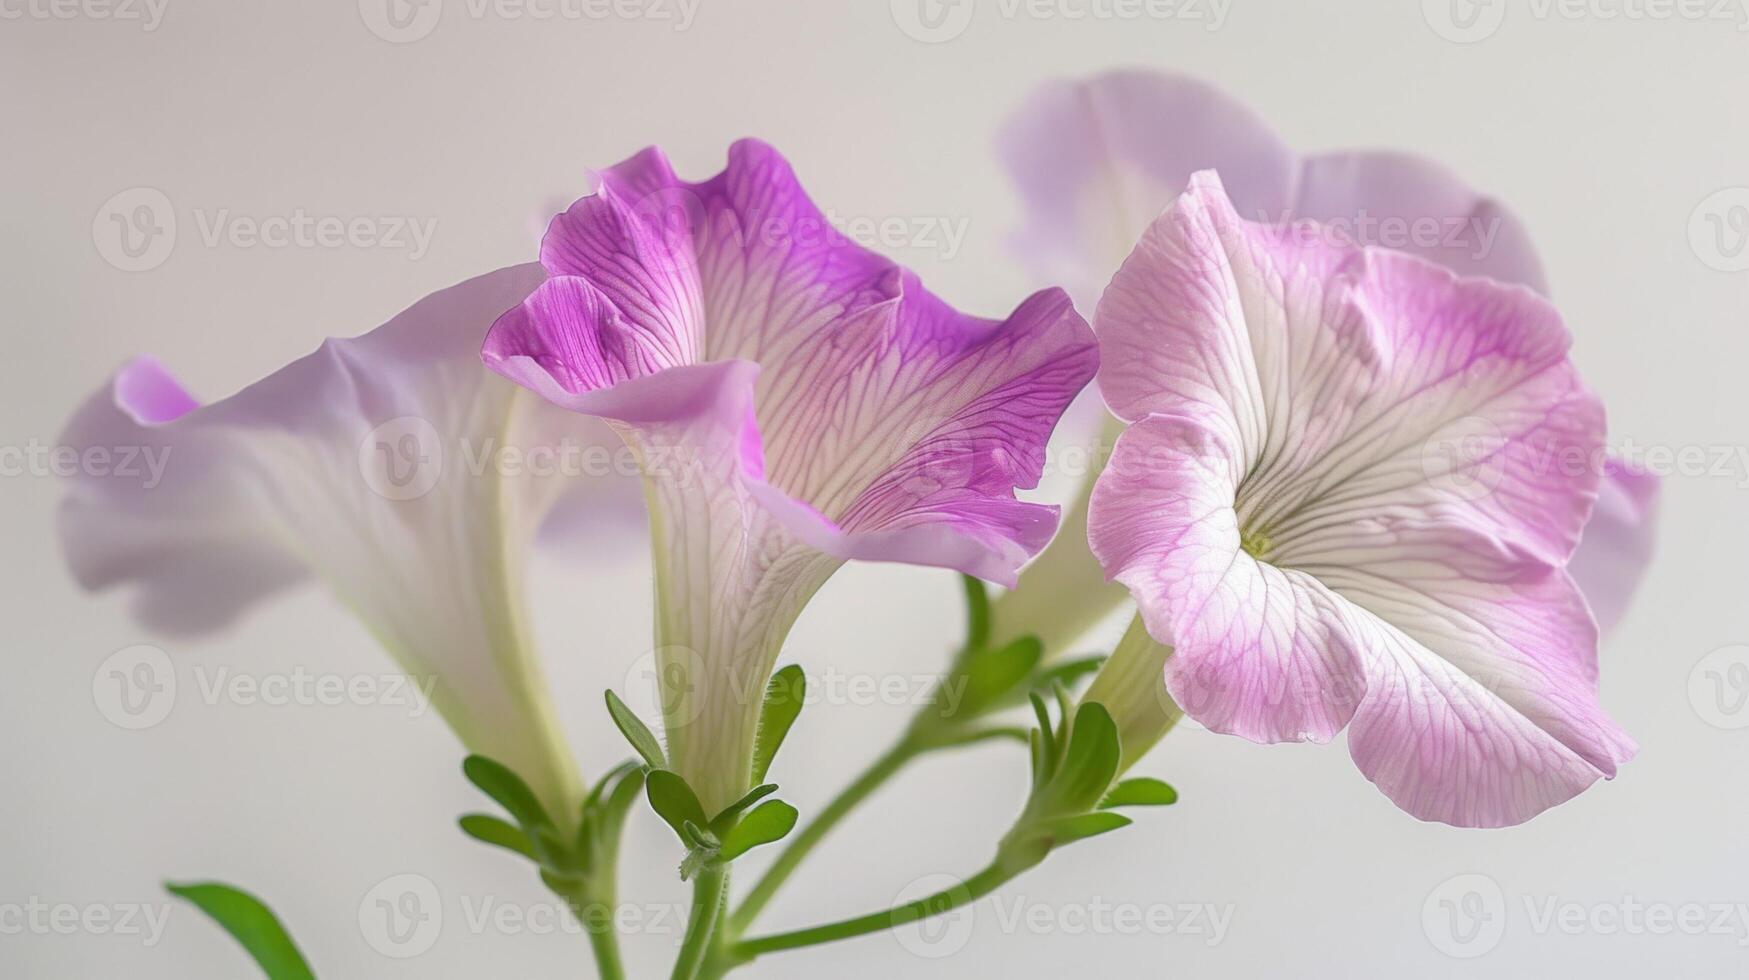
(999, 873)
(871, 779)
(709, 888)
(604, 943)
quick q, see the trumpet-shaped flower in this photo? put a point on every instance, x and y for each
(1293, 513)
(391, 466)
(818, 404)
(1096, 161)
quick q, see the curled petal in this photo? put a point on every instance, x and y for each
(821, 405)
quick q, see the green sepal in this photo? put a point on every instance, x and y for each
(507, 788)
(769, 821)
(674, 801)
(252, 924)
(499, 833)
(1140, 791)
(1068, 830)
(1090, 762)
(636, 732)
(722, 821)
(784, 696)
(1069, 672)
(988, 677)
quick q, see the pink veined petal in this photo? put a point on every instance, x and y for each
(1260, 652)
(813, 403)
(1353, 454)
(1617, 544)
(1097, 160)
(1414, 205)
(374, 465)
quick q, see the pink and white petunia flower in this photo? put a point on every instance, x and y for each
(1300, 509)
(391, 466)
(800, 400)
(1097, 160)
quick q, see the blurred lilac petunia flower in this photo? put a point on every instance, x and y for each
(1287, 510)
(1097, 160)
(391, 466)
(798, 401)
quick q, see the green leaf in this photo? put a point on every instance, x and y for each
(252, 924)
(695, 861)
(988, 675)
(600, 789)
(784, 694)
(1091, 761)
(699, 837)
(769, 821)
(977, 612)
(636, 732)
(754, 795)
(1068, 672)
(498, 833)
(1046, 757)
(674, 801)
(497, 781)
(1141, 791)
(1067, 830)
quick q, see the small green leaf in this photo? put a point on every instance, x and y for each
(977, 612)
(497, 781)
(600, 789)
(1141, 791)
(252, 924)
(989, 675)
(674, 801)
(1047, 748)
(784, 695)
(1067, 830)
(700, 837)
(754, 795)
(1091, 761)
(636, 732)
(1068, 672)
(767, 822)
(498, 833)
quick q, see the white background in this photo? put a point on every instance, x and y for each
(1603, 133)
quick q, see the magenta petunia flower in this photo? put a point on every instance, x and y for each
(1290, 514)
(392, 467)
(800, 401)
(1097, 160)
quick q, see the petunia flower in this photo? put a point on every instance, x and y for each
(391, 466)
(1287, 510)
(815, 403)
(1096, 161)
